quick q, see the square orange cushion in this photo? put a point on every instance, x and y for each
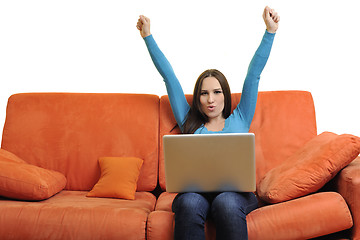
(310, 168)
(23, 181)
(119, 176)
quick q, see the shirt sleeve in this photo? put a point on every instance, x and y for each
(178, 102)
(247, 105)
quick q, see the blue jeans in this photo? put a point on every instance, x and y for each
(228, 211)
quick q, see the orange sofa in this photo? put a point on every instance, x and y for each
(60, 137)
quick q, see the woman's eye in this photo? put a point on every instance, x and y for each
(217, 92)
(203, 93)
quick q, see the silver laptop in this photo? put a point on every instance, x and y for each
(210, 162)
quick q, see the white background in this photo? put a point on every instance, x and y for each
(94, 46)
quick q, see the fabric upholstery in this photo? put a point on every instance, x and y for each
(161, 226)
(72, 215)
(68, 132)
(118, 178)
(164, 201)
(283, 122)
(9, 157)
(20, 180)
(303, 218)
(348, 185)
(310, 168)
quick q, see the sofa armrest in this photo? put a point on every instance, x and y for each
(347, 183)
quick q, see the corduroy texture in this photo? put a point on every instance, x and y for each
(118, 178)
(23, 181)
(310, 168)
(68, 132)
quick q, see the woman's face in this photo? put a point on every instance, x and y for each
(212, 98)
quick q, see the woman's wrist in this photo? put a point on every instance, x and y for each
(145, 33)
(147, 36)
(271, 30)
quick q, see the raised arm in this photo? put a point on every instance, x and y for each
(247, 105)
(178, 102)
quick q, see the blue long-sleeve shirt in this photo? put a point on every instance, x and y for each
(240, 119)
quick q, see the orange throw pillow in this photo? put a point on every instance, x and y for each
(9, 157)
(119, 176)
(310, 168)
(23, 181)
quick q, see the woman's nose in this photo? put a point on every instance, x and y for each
(210, 98)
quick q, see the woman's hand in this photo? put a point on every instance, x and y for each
(271, 19)
(143, 25)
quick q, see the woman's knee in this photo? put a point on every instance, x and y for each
(229, 203)
(226, 203)
(191, 203)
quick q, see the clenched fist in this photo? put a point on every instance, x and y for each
(143, 25)
(271, 19)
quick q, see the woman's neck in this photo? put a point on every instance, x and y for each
(215, 124)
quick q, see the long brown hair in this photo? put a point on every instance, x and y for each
(196, 117)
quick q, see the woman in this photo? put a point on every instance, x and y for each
(209, 113)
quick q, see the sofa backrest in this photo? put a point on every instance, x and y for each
(283, 122)
(68, 132)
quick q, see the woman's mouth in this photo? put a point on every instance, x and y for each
(211, 108)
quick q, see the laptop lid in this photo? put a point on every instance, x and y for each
(210, 162)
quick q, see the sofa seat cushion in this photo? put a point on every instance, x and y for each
(72, 215)
(348, 185)
(164, 201)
